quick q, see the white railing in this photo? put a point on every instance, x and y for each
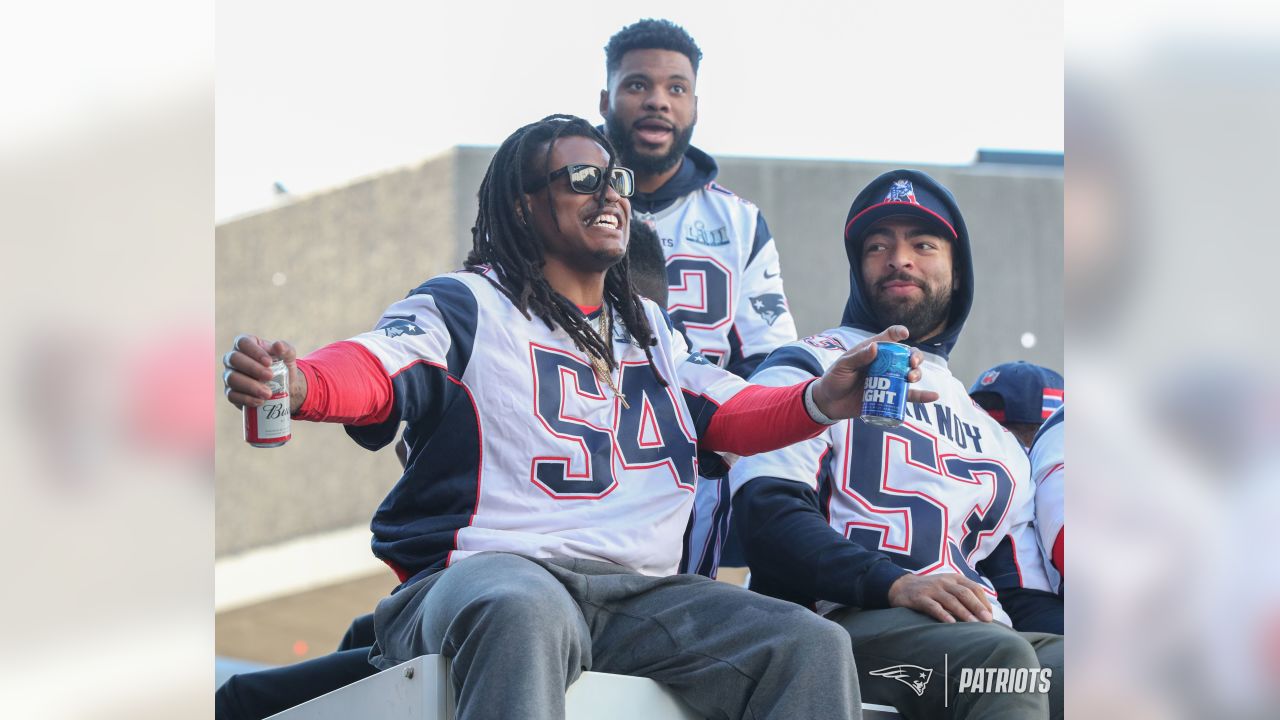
(420, 690)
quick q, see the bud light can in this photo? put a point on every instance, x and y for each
(884, 396)
(268, 424)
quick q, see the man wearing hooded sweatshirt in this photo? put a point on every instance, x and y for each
(725, 282)
(893, 532)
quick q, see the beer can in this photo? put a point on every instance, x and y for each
(268, 424)
(884, 395)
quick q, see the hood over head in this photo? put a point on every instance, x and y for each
(908, 192)
(696, 171)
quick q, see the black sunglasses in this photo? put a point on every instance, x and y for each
(585, 179)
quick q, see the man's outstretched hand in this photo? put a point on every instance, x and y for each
(838, 393)
(248, 370)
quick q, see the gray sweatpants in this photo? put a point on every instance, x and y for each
(916, 664)
(519, 630)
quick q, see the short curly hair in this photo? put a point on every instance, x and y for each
(650, 34)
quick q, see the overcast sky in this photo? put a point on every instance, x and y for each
(314, 94)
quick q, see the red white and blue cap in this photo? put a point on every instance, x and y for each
(1030, 393)
(900, 196)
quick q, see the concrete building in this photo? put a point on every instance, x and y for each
(293, 564)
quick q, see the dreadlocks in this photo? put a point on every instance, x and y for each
(502, 240)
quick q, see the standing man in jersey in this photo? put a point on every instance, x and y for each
(554, 420)
(885, 530)
(726, 294)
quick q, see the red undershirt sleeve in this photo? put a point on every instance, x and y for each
(345, 384)
(759, 419)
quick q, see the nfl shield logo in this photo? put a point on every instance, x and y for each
(902, 191)
(989, 377)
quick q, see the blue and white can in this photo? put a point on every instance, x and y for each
(884, 396)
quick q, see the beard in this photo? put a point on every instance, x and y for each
(624, 141)
(605, 259)
(920, 317)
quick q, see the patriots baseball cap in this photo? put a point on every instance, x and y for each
(1030, 393)
(899, 196)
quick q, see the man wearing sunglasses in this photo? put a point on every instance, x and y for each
(585, 179)
(554, 421)
(260, 694)
(726, 293)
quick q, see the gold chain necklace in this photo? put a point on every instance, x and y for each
(601, 365)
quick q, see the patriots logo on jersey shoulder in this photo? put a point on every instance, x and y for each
(913, 676)
(769, 306)
(989, 377)
(399, 327)
(825, 342)
(902, 191)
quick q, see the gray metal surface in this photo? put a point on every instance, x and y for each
(419, 690)
(416, 690)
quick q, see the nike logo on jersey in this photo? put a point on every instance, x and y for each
(775, 274)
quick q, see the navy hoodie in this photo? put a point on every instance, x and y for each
(697, 170)
(857, 311)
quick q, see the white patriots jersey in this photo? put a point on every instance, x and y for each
(516, 446)
(723, 276)
(1048, 469)
(937, 494)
